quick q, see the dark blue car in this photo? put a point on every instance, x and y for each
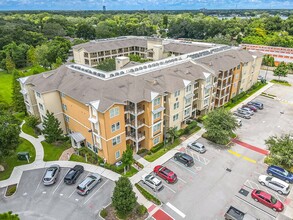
(280, 173)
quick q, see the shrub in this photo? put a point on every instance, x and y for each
(138, 164)
(147, 195)
(141, 151)
(104, 213)
(141, 210)
(157, 147)
(32, 121)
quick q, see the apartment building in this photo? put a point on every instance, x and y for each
(135, 104)
(280, 54)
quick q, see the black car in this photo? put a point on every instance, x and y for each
(73, 174)
(259, 105)
(184, 158)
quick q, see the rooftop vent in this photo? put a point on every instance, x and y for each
(155, 82)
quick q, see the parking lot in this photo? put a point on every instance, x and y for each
(226, 176)
(33, 200)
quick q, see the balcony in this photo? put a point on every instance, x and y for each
(131, 110)
(131, 123)
(132, 136)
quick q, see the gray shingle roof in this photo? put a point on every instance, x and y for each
(184, 48)
(85, 88)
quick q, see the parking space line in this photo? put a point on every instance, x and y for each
(169, 188)
(181, 180)
(59, 184)
(234, 153)
(176, 210)
(72, 193)
(95, 192)
(250, 204)
(249, 159)
(38, 185)
(183, 166)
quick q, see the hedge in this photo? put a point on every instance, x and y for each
(157, 147)
(147, 195)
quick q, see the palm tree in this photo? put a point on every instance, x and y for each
(172, 133)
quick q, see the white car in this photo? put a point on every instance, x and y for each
(152, 182)
(274, 183)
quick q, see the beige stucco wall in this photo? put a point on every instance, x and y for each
(78, 56)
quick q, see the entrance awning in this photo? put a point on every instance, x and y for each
(78, 137)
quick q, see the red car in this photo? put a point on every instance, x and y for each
(165, 174)
(251, 107)
(267, 200)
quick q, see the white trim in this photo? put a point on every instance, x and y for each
(186, 82)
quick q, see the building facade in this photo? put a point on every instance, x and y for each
(135, 105)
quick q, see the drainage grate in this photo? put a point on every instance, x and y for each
(243, 192)
(229, 170)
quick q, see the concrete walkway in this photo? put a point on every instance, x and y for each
(67, 154)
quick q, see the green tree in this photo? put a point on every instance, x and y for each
(9, 216)
(9, 134)
(124, 199)
(172, 133)
(127, 157)
(32, 121)
(52, 130)
(281, 149)
(57, 63)
(165, 21)
(107, 65)
(268, 60)
(31, 56)
(220, 125)
(52, 30)
(86, 31)
(281, 70)
(17, 97)
(9, 64)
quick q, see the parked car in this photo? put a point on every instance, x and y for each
(242, 114)
(280, 173)
(51, 175)
(73, 174)
(166, 174)
(276, 184)
(267, 200)
(152, 182)
(251, 107)
(247, 110)
(236, 214)
(238, 122)
(197, 147)
(88, 184)
(257, 104)
(184, 159)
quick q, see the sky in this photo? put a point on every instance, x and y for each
(143, 4)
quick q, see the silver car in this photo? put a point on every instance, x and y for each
(51, 175)
(88, 184)
(274, 183)
(248, 110)
(197, 147)
(152, 182)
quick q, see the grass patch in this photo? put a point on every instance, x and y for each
(53, 152)
(130, 172)
(244, 95)
(10, 162)
(29, 130)
(77, 158)
(147, 195)
(281, 82)
(271, 96)
(11, 190)
(6, 87)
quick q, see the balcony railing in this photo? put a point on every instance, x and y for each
(131, 109)
(132, 136)
(132, 123)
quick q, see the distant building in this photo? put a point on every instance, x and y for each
(280, 54)
(104, 7)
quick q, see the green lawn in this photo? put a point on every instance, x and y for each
(281, 82)
(12, 161)
(52, 152)
(130, 172)
(77, 158)
(5, 87)
(29, 130)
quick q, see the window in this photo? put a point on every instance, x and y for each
(115, 127)
(116, 140)
(117, 154)
(206, 91)
(188, 101)
(156, 140)
(238, 67)
(157, 127)
(89, 145)
(157, 115)
(66, 118)
(177, 93)
(176, 105)
(114, 112)
(157, 101)
(175, 117)
(62, 95)
(206, 101)
(38, 94)
(187, 112)
(64, 107)
(41, 106)
(188, 88)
